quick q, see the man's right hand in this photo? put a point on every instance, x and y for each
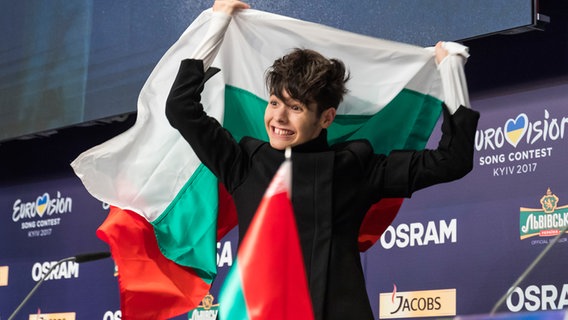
(229, 6)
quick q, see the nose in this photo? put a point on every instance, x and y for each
(281, 114)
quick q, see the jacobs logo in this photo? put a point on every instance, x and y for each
(547, 221)
(4, 275)
(53, 316)
(414, 304)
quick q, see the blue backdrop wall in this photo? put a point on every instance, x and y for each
(453, 249)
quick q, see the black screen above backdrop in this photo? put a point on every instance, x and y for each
(68, 62)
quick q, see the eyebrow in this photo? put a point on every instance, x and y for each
(296, 102)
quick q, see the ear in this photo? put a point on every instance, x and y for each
(327, 117)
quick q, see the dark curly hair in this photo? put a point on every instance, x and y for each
(309, 77)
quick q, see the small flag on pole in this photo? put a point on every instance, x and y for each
(268, 279)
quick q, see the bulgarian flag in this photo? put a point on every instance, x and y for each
(268, 279)
(161, 190)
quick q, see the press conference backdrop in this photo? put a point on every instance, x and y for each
(69, 62)
(454, 248)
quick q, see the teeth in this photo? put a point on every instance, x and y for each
(282, 132)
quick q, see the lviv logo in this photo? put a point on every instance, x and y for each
(546, 221)
(549, 202)
(206, 310)
(516, 129)
(207, 302)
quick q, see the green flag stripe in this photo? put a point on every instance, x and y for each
(244, 114)
(233, 295)
(405, 123)
(192, 218)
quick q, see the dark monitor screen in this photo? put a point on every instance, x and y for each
(64, 63)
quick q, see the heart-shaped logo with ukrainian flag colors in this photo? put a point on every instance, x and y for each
(516, 129)
(41, 204)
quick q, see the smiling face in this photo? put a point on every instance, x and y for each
(289, 122)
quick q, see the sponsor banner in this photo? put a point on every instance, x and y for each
(476, 235)
(53, 316)
(4, 276)
(420, 234)
(41, 222)
(207, 310)
(64, 270)
(549, 221)
(504, 216)
(112, 315)
(538, 297)
(415, 304)
(224, 254)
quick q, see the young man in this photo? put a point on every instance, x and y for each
(305, 91)
(334, 186)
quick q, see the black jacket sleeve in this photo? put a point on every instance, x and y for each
(403, 172)
(214, 146)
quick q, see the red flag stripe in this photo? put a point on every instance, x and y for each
(151, 286)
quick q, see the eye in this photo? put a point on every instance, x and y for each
(296, 107)
(273, 101)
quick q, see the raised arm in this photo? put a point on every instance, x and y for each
(213, 145)
(223, 10)
(229, 6)
(450, 59)
(404, 172)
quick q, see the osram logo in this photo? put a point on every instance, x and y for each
(65, 270)
(534, 297)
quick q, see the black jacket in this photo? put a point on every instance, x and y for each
(333, 186)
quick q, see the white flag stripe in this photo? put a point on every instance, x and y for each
(144, 168)
(380, 69)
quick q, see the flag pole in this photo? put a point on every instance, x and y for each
(288, 157)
